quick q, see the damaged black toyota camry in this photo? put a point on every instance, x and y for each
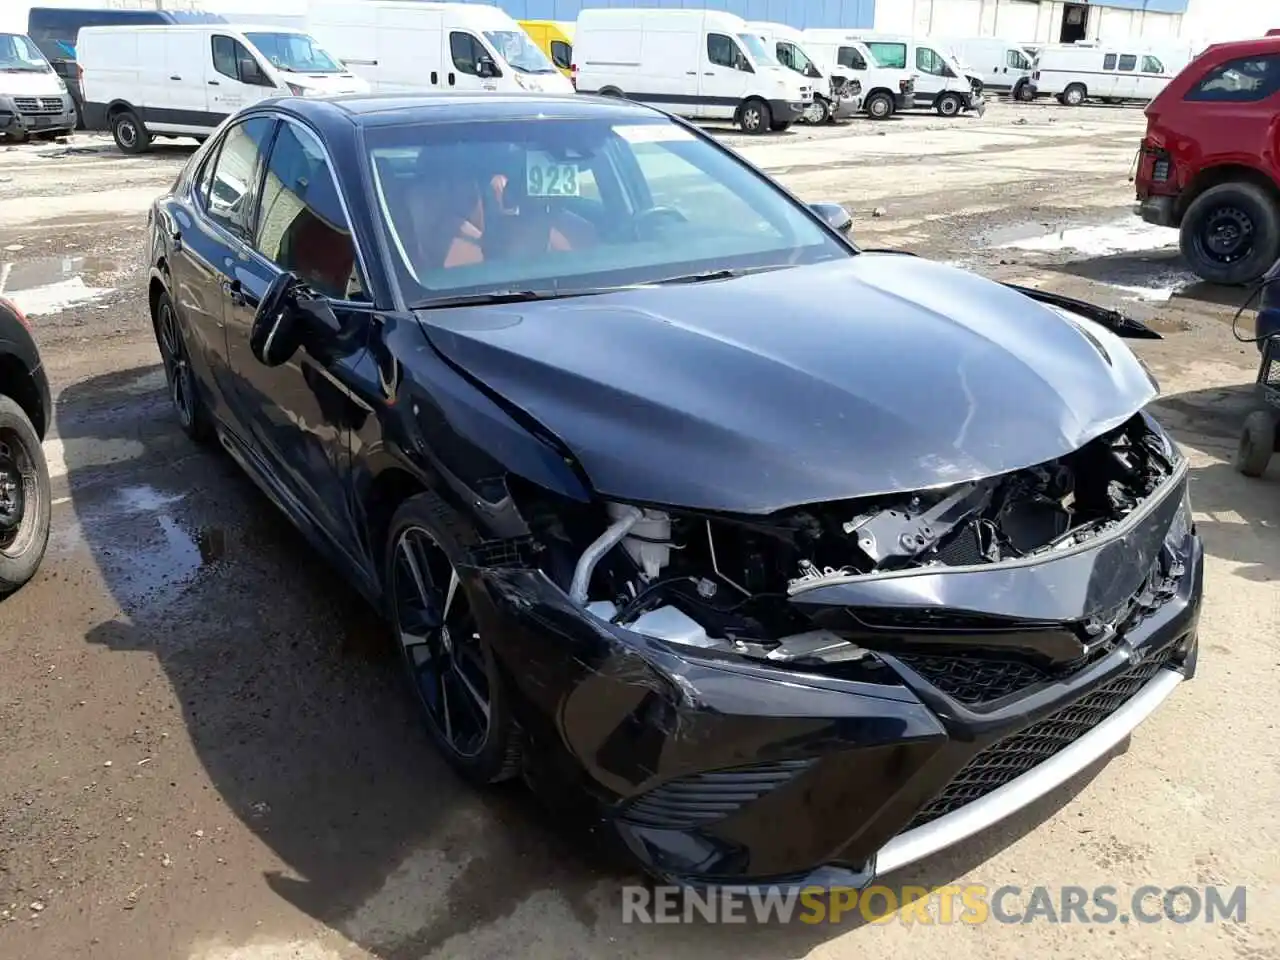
(797, 562)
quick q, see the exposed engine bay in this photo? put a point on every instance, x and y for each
(721, 582)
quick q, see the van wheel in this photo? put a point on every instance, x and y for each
(879, 106)
(1024, 93)
(1231, 233)
(818, 112)
(24, 498)
(949, 105)
(754, 116)
(1074, 95)
(612, 92)
(130, 133)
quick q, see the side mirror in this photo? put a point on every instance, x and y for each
(251, 73)
(273, 337)
(835, 215)
(487, 69)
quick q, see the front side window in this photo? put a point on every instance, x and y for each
(1109, 62)
(785, 53)
(294, 53)
(723, 52)
(1247, 79)
(466, 52)
(928, 61)
(556, 204)
(561, 54)
(227, 54)
(893, 55)
(516, 47)
(19, 55)
(301, 224)
(851, 58)
(1128, 61)
(232, 186)
(1017, 60)
(1151, 65)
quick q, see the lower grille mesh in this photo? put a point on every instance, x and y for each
(1006, 760)
(706, 797)
(974, 680)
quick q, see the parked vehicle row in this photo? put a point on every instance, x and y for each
(1075, 73)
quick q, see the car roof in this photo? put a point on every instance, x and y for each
(382, 110)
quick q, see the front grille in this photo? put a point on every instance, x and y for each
(1006, 760)
(38, 105)
(706, 797)
(973, 679)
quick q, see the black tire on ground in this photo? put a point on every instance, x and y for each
(949, 105)
(25, 501)
(754, 116)
(1074, 95)
(130, 133)
(779, 126)
(819, 113)
(1257, 443)
(184, 394)
(1230, 234)
(879, 105)
(426, 543)
(612, 92)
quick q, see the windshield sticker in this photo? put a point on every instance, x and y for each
(546, 176)
(652, 132)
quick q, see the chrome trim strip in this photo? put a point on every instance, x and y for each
(1171, 483)
(915, 845)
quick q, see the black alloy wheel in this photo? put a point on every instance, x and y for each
(178, 373)
(25, 503)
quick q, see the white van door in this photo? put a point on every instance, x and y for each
(1105, 84)
(726, 78)
(184, 58)
(931, 67)
(235, 77)
(468, 63)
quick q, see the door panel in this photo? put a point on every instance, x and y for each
(722, 84)
(302, 411)
(185, 55)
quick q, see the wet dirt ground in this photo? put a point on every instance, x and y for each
(204, 748)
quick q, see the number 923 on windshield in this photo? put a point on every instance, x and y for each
(546, 176)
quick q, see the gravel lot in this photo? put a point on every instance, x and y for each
(204, 751)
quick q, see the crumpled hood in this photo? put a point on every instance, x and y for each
(871, 375)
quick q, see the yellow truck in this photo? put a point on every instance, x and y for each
(555, 38)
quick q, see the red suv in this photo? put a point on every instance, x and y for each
(1209, 164)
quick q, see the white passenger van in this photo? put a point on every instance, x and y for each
(402, 45)
(185, 79)
(942, 84)
(1074, 73)
(700, 64)
(834, 98)
(885, 90)
(1003, 67)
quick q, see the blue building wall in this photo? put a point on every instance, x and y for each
(797, 13)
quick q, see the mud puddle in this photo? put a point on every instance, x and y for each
(42, 286)
(1127, 235)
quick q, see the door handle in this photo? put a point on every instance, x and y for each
(175, 78)
(691, 73)
(234, 292)
(708, 73)
(213, 83)
(451, 79)
(435, 77)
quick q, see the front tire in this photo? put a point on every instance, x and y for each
(949, 105)
(879, 106)
(25, 502)
(818, 113)
(755, 117)
(193, 416)
(448, 663)
(1024, 93)
(1231, 233)
(1257, 443)
(130, 134)
(1074, 95)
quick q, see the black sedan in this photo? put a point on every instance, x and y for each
(798, 563)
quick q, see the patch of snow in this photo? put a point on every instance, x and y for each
(55, 297)
(1101, 240)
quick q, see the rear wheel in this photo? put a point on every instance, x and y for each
(448, 663)
(130, 133)
(1074, 95)
(24, 498)
(879, 106)
(754, 116)
(948, 105)
(1230, 234)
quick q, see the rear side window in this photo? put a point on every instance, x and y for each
(1017, 59)
(561, 54)
(889, 54)
(1109, 62)
(232, 185)
(851, 58)
(1244, 80)
(1128, 61)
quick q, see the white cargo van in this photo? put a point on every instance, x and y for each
(834, 98)
(700, 64)
(33, 99)
(885, 90)
(1003, 67)
(401, 45)
(185, 79)
(942, 84)
(1074, 73)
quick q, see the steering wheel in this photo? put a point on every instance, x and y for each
(649, 223)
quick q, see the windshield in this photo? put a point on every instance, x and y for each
(515, 47)
(19, 55)
(759, 52)
(561, 205)
(295, 53)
